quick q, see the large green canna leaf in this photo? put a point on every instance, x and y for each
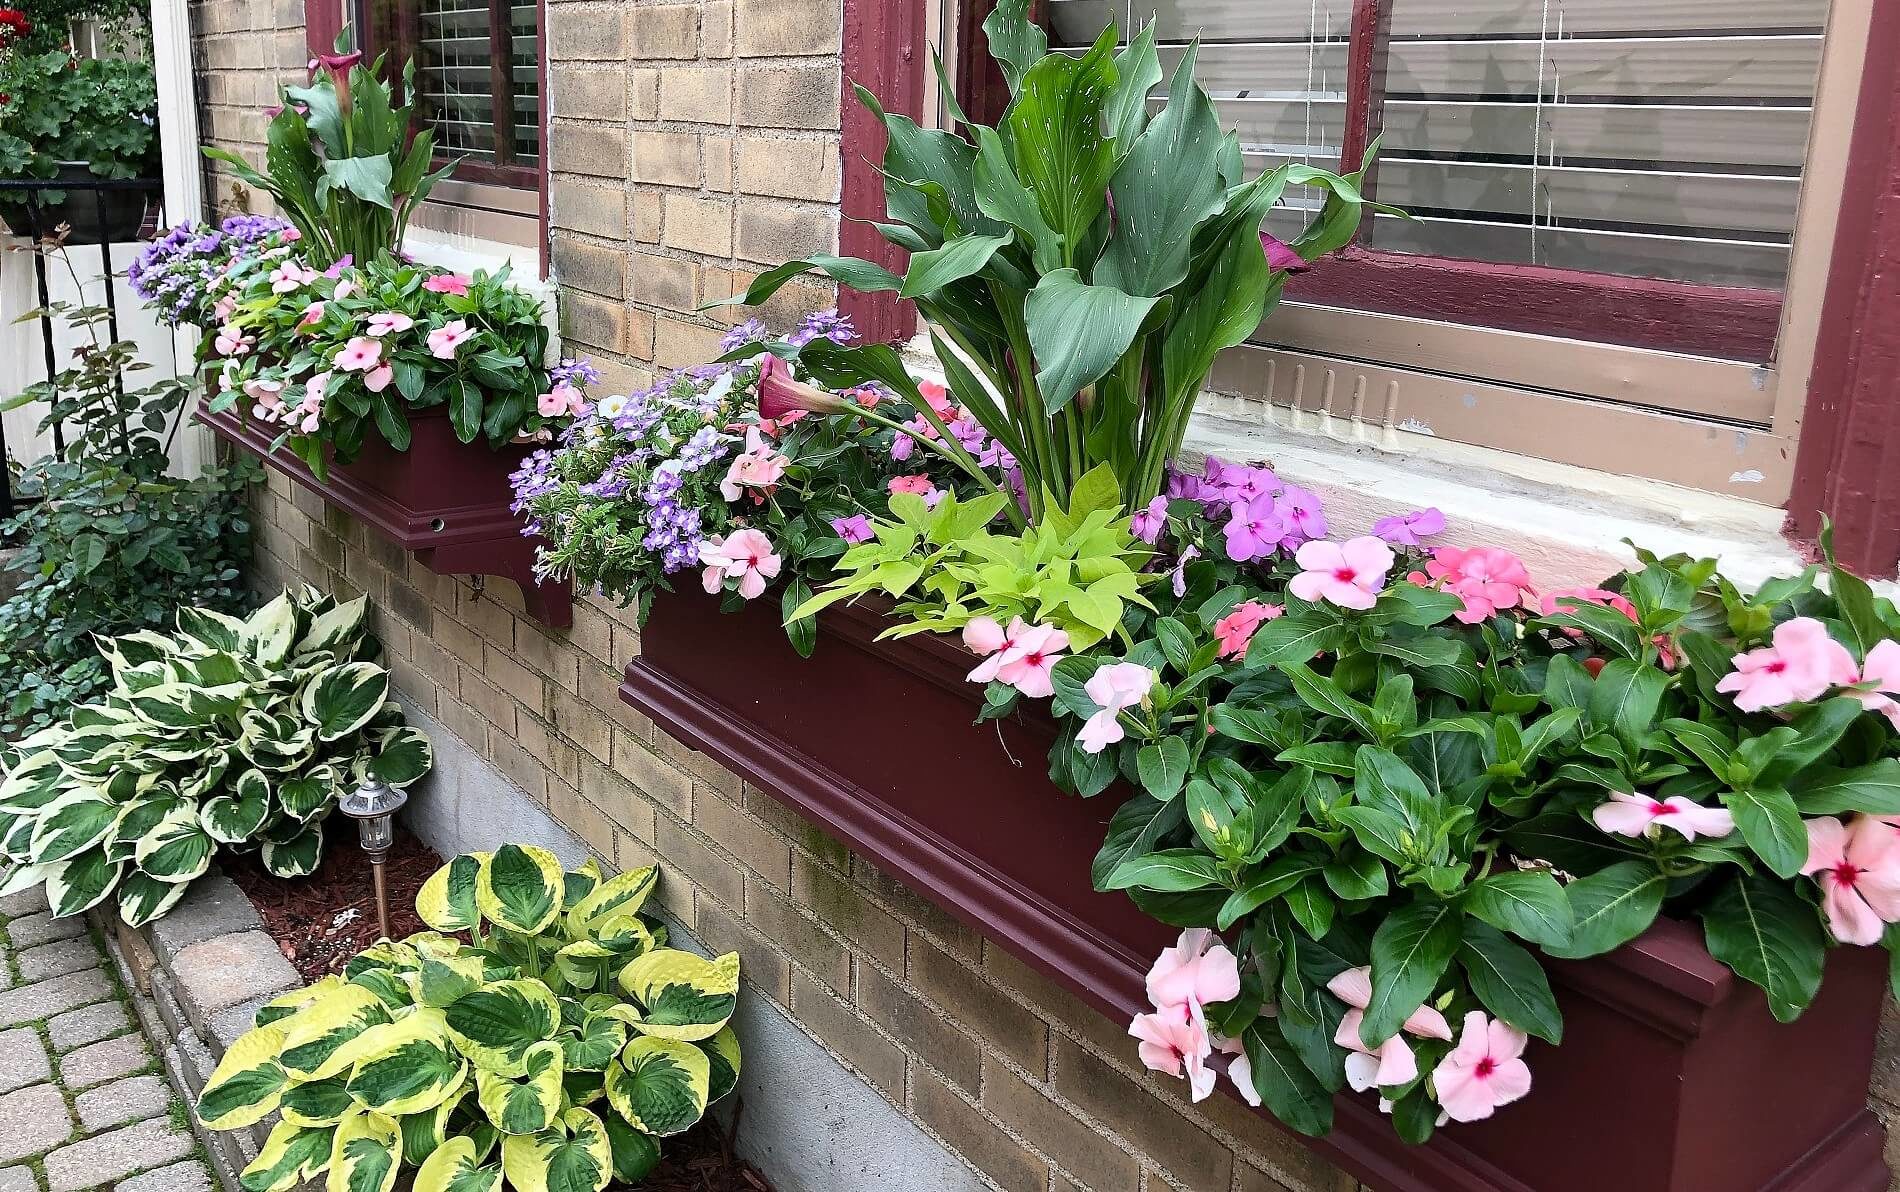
(866, 277)
(1015, 41)
(965, 256)
(1078, 332)
(1001, 195)
(1137, 70)
(1166, 186)
(1055, 137)
(661, 1086)
(922, 157)
(575, 1156)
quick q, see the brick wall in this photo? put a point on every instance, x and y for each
(692, 145)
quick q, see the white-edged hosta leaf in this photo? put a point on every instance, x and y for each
(446, 901)
(344, 698)
(72, 825)
(298, 856)
(306, 796)
(402, 756)
(454, 1167)
(290, 1155)
(213, 629)
(528, 1103)
(177, 849)
(497, 1025)
(81, 883)
(683, 996)
(412, 1066)
(144, 899)
(661, 1086)
(335, 631)
(520, 888)
(367, 1154)
(235, 817)
(572, 1157)
(248, 1082)
(137, 819)
(271, 630)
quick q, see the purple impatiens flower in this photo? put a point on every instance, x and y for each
(853, 529)
(1408, 529)
(1148, 523)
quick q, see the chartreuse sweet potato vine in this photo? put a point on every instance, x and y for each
(549, 1050)
(1080, 266)
(229, 733)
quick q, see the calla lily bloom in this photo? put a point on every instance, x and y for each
(1858, 867)
(1483, 1071)
(1636, 815)
(781, 394)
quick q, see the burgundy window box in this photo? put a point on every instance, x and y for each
(445, 500)
(1672, 1076)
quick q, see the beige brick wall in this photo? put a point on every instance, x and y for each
(692, 145)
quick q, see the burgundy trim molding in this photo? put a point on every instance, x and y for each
(1848, 468)
(443, 500)
(884, 52)
(1665, 1051)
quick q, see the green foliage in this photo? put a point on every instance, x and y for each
(113, 542)
(1078, 569)
(227, 733)
(102, 111)
(553, 1049)
(341, 162)
(1081, 327)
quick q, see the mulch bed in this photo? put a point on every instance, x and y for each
(319, 922)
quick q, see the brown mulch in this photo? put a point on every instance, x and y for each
(320, 921)
(700, 1161)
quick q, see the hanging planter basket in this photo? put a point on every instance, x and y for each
(1672, 1077)
(445, 500)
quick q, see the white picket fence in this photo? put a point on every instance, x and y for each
(22, 348)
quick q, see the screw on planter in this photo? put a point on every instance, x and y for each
(373, 806)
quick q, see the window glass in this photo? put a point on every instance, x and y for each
(477, 76)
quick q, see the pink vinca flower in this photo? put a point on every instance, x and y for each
(746, 556)
(1882, 669)
(1486, 578)
(379, 378)
(309, 411)
(449, 283)
(1029, 665)
(1801, 665)
(444, 340)
(1236, 629)
(1175, 1043)
(1638, 815)
(1391, 1062)
(312, 314)
(225, 308)
(1239, 1068)
(1484, 1071)
(267, 396)
(1858, 867)
(1349, 574)
(1409, 529)
(1196, 972)
(1114, 686)
(359, 355)
(389, 321)
(918, 484)
(562, 401)
(757, 467)
(231, 341)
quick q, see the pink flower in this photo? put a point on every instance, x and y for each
(1174, 1043)
(1236, 629)
(1488, 579)
(231, 341)
(343, 288)
(1114, 687)
(938, 398)
(360, 354)
(1882, 669)
(449, 283)
(1196, 972)
(983, 635)
(1484, 1071)
(1280, 255)
(919, 484)
(309, 412)
(378, 379)
(312, 314)
(291, 276)
(1240, 1068)
(444, 340)
(561, 401)
(1858, 867)
(1254, 529)
(387, 321)
(758, 466)
(1635, 815)
(1801, 665)
(745, 555)
(856, 529)
(1408, 528)
(1030, 662)
(267, 396)
(1391, 1062)
(1148, 523)
(782, 395)
(1566, 600)
(1349, 574)
(225, 308)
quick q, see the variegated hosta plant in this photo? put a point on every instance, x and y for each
(542, 1037)
(231, 732)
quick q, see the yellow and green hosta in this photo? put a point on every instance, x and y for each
(540, 1037)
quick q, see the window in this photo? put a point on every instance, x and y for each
(1607, 195)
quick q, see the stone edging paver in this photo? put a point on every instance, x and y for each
(83, 1102)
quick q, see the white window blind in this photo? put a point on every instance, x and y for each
(477, 72)
(1649, 138)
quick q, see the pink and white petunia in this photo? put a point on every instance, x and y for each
(359, 355)
(1801, 665)
(746, 556)
(1196, 972)
(1349, 574)
(444, 340)
(1484, 1071)
(1114, 686)
(1635, 815)
(386, 322)
(1858, 867)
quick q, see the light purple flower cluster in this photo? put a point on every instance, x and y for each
(823, 324)
(174, 272)
(581, 374)
(752, 331)
(1264, 514)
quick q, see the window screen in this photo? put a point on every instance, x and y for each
(477, 78)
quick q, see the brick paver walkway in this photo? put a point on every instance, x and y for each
(83, 1102)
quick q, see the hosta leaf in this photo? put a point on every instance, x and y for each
(269, 632)
(520, 888)
(621, 894)
(81, 883)
(177, 849)
(423, 1133)
(576, 1157)
(343, 699)
(289, 1156)
(661, 1086)
(248, 1082)
(593, 1045)
(407, 1066)
(366, 1155)
(722, 1051)
(144, 898)
(403, 756)
(446, 901)
(684, 996)
(317, 1102)
(316, 1035)
(72, 826)
(636, 1154)
(528, 1103)
(454, 1167)
(303, 798)
(236, 817)
(298, 856)
(497, 1025)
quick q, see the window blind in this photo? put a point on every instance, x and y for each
(477, 77)
(1650, 138)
